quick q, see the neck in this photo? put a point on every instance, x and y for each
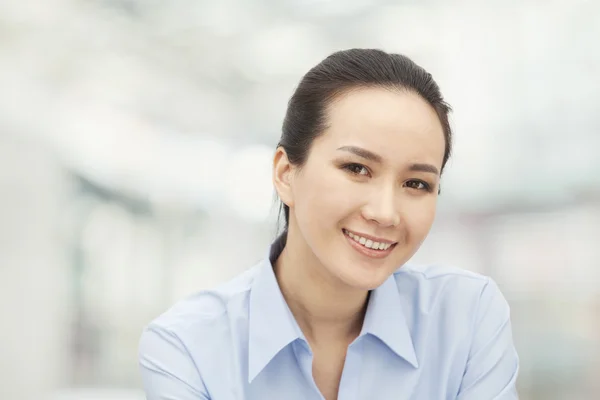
(325, 309)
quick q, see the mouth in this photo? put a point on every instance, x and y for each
(368, 245)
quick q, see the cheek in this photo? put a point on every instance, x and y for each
(325, 195)
(419, 218)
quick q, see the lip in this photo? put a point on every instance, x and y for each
(377, 254)
(373, 238)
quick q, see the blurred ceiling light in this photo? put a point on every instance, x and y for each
(33, 12)
(190, 172)
(123, 152)
(330, 7)
(227, 18)
(282, 50)
(410, 29)
(249, 189)
(222, 18)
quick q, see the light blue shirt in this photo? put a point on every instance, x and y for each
(429, 333)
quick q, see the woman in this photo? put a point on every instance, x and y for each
(334, 312)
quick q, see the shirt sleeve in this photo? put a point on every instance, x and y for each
(168, 371)
(493, 363)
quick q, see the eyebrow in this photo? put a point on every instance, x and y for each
(424, 168)
(359, 151)
(369, 155)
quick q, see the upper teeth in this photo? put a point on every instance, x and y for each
(368, 242)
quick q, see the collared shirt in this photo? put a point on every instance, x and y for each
(429, 333)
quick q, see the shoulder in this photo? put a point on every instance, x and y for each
(431, 272)
(206, 313)
(450, 290)
(435, 277)
(179, 349)
(460, 324)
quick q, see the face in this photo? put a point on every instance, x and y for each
(365, 199)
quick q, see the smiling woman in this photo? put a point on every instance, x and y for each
(334, 311)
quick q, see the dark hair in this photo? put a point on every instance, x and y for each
(306, 116)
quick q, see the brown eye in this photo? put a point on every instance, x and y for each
(357, 169)
(418, 185)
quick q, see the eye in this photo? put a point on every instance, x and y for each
(418, 185)
(356, 169)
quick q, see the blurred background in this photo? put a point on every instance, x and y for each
(136, 139)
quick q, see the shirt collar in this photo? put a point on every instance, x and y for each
(272, 325)
(385, 319)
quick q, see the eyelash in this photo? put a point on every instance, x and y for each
(353, 167)
(426, 186)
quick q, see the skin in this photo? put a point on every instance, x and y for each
(375, 171)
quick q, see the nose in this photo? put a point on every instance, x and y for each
(382, 207)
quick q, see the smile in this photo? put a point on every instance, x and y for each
(369, 246)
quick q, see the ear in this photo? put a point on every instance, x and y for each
(282, 176)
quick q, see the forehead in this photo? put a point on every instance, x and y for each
(396, 124)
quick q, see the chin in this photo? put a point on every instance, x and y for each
(360, 272)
